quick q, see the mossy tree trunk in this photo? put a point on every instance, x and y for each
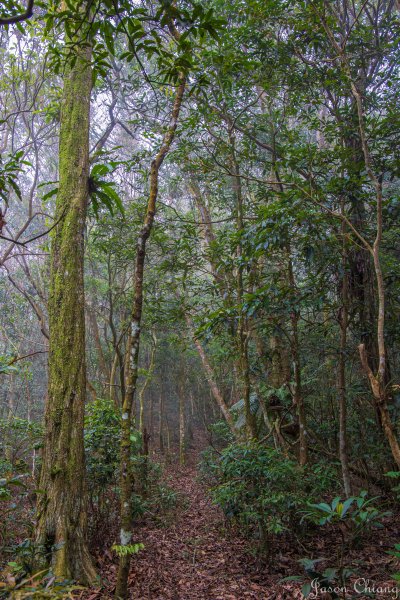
(61, 518)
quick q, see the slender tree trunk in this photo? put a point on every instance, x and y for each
(147, 381)
(161, 422)
(377, 379)
(132, 351)
(344, 460)
(242, 330)
(104, 371)
(182, 424)
(210, 378)
(113, 392)
(298, 394)
(61, 515)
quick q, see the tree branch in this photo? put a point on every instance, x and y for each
(18, 18)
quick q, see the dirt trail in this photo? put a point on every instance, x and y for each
(194, 558)
(191, 556)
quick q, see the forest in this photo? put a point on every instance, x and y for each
(200, 299)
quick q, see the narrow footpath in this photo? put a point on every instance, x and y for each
(192, 556)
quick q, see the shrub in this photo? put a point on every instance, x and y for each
(257, 487)
(153, 496)
(396, 554)
(352, 517)
(102, 435)
(19, 440)
(220, 433)
(102, 439)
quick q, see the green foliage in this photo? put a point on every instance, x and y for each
(258, 487)
(329, 580)
(102, 435)
(153, 497)
(221, 432)
(322, 478)
(19, 438)
(40, 585)
(350, 518)
(9, 171)
(127, 550)
(8, 484)
(102, 446)
(102, 192)
(5, 365)
(357, 514)
(17, 517)
(395, 476)
(396, 554)
(238, 410)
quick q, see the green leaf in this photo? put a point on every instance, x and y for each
(127, 550)
(50, 194)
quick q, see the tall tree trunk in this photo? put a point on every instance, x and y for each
(182, 424)
(161, 421)
(61, 516)
(242, 333)
(295, 347)
(132, 350)
(113, 392)
(378, 380)
(103, 368)
(146, 382)
(344, 460)
(210, 378)
(378, 377)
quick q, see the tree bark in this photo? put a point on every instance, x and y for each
(344, 315)
(298, 398)
(132, 349)
(210, 378)
(242, 334)
(61, 513)
(147, 381)
(377, 379)
(182, 431)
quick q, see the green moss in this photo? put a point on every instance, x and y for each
(62, 516)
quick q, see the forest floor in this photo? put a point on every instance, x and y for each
(193, 555)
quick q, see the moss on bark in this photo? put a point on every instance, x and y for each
(61, 518)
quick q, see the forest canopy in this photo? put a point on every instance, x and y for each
(200, 293)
